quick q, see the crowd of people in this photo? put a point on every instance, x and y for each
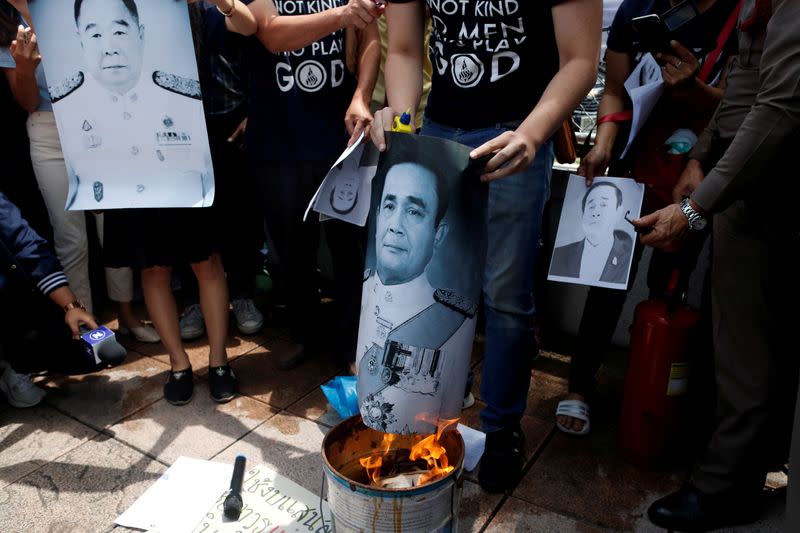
(500, 77)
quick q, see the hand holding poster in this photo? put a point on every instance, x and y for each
(130, 116)
(422, 285)
(594, 244)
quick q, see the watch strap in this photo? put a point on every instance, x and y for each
(75, 304)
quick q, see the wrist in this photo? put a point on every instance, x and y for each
(75, 304)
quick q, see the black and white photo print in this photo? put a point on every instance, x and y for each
(123, 79)
(595, 239)
(422, 283)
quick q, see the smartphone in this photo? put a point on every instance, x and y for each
(654, 36)
(679, 23)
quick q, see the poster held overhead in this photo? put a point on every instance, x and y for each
(129, 115)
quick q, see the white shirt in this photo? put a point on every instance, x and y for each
(594, 258)
(146, 148)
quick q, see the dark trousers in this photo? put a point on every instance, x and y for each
(793, 497)
(755, 296)
(604, 306)
(34, 337)
(240, 224)
(285, 188)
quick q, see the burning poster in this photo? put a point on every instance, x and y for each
(422, 284)
(123, 81)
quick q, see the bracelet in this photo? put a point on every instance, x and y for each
(77, 304)
(230, 11)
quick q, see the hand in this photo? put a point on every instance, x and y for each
(594, 163)
(678, 69)
(690, 178)
(357, 119)
(25, 49)
(513, 152)
(382, 121)
(77, 317)
(239, 131)
(360, 13)
(670, 228)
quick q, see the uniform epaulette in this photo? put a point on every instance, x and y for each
(460, 303)
(367, 274)
(67, 86)
(177, 84)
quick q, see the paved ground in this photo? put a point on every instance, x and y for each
(78, 460)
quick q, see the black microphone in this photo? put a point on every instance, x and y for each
(232, 506)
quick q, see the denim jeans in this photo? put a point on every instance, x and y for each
(514, 222)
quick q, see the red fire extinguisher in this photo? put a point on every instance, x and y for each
(656, 383)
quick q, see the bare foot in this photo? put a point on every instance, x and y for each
(569, 422)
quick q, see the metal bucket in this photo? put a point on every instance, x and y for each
(361, 508)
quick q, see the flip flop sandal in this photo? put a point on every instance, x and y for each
(574, 409)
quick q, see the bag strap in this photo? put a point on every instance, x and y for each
(713, 56)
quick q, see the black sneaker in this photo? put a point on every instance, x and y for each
(179, 388)
(502, 461)
(223, 383)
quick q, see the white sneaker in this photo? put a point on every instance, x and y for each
(192, 323)
(248, 318)
(469, 401)
(142, 333)
(18, 389)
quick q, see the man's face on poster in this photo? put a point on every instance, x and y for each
(345, 194)
(407, 233)
(113, 43)
(601, 213)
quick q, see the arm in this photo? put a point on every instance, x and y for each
(281, 34)
(75, 317)
(241, 19)
(618, 67)
(358, 116)
(773, 119)
(22, 78)
(403, 68)
(577, 25)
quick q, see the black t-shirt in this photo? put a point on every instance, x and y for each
(298, 99)
(492, 59)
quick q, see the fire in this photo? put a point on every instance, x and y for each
(374, 462)
(427, 449)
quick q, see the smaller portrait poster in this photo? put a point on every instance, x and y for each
(595, 239)
(422, 284)
(122, 76)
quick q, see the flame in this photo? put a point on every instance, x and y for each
(433, 453)
(374, 462)
(427, 449)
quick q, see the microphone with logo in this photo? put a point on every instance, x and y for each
(101, 345)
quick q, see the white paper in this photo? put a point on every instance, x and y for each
(594, 243)
(345, 192)
(271, 503)
(177, 501)
(644, 86)
(474, 443)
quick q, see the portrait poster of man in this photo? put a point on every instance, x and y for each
(123, 79)
(594, 243)
(422, 284)
(345, 192)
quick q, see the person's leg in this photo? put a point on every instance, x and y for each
(284, 190)
(347, 245)
(214, 302)
(157, 289)
(69, 227)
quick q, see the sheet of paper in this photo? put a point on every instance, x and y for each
(474, 443)
(177, 501)
(271, 503)
(341, 158)
(645, 86)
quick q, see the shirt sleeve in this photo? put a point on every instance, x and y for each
(620, 33)
(772, 121)
(28, 251)
(6, 59)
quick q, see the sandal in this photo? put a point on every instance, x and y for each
(573, 409)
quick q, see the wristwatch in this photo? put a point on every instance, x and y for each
(697, 222)
(77, 304)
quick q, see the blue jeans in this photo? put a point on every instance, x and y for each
(514, 222)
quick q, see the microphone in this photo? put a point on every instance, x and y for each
(232, 506)
(101, 345)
